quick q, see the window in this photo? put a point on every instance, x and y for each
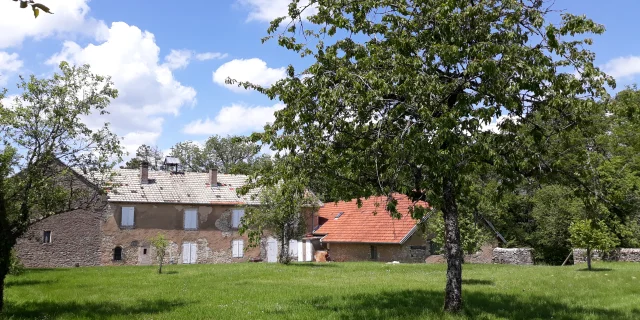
(235, 218)
(144, 251)
(117, 254)
(127, 217)
(338, 215)
(191, 219)
(374, 253)
(46, 237)
(237, 248)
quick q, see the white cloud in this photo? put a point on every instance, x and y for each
(268, 10)
(70, 16)
(178, 59)
(252, 70)
(133, 140)
(494, 125)
(210, 56)
(9, 64)
(622, 67)
(235, 119)
(147, 89)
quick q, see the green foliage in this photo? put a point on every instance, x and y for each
(401, 107)
(472, 231)
(283, 212)
(44, 145)
(152, 155)
(160, 243)
(591, 234)
(36, 7)
(231, 154)
(16, 267)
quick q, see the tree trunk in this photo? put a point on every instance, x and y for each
(284, 257)
(453, 290)
(3, 275)
(160, 266)
(5, 257)
(588, 258)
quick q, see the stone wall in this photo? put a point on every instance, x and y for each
(213, 238)
(415, 249)
(519, 256)
(75, 240)
(622, 255)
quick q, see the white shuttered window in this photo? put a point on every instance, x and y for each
(237, 248)
(191, 219)
(127, 217)
(293, 248)
(235, 218)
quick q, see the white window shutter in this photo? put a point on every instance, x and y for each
(237, 248)
(293, 248)
(127, 217)
(191, 219)
(235, 218)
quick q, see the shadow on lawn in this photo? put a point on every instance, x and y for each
(595, 269)
(478, 282)
(87, 310)
(21, 283)
(411, 304)
(309, 264)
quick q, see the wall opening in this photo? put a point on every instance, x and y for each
(374, 253)
(117, 254)
(46, 237)
(144, 251)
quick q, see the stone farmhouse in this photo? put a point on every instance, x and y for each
(350, 233)
(198, 212)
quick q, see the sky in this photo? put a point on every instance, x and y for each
(169, 58)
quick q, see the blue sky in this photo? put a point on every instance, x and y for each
(169, 58)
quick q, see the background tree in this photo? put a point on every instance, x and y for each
(231, 154)
(36, 7)
(401, 106)
(283, 211)
(191, 156)
(44, 143)
(151, 154)
(592, 235)
(160, 243)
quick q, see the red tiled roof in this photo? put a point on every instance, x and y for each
(362, 225)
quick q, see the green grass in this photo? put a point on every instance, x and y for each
(323, 291)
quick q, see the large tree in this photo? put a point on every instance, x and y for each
(150, 154)
(45, 148)
(399, 91)
(35, 6)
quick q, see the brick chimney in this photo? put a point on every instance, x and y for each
(213, 177)
(144, 172)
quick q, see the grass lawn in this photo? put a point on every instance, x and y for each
(323, 291)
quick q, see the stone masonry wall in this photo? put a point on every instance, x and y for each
(75, 240)
(622, 255)
(519, 256)
(213, 238)
(413, 250)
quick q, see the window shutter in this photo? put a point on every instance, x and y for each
(235, 219)
(191, 219)
(237, 248)
(293, 248)
(127, 217)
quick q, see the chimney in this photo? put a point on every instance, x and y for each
(213, 177)
(144, 172)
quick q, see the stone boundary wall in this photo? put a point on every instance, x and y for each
(518, 256)
(621, 255)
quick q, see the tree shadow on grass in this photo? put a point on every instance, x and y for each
(595, 269)
(87, 310)
(478, 282)
(412, 304)
(170, 272)
(309, 264)
(24, 283)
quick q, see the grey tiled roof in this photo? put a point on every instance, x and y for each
(189, 187)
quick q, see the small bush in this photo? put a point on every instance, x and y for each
(16, 267)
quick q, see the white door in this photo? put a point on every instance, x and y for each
(293, 248)
(272, 250)
(189, 252)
